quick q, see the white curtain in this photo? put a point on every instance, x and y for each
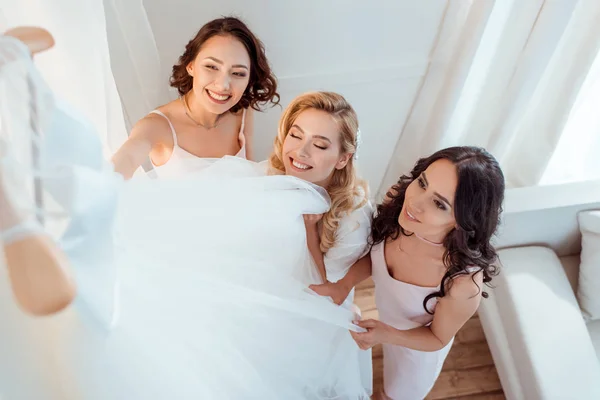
(450, 59)
(522, 84)
(135, 59)
(78, 68)
(576, 156)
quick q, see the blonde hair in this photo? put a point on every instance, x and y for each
(345, 186)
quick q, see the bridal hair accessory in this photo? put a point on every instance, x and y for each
(358, 144)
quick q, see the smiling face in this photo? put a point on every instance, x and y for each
(221, 72)
(312, 148)
(428, 208)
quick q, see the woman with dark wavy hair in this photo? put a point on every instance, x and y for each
(430, 256)
(221, 77)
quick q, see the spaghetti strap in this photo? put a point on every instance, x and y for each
(181, 162)
(171, 125)
(243, 122)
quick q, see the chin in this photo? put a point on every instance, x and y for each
(288, 170)
(401, 220)
(296, 175)
(218, 108)
(299, 175)
(409, 226)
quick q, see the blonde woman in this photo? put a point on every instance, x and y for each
(209, 282)
(317, 142)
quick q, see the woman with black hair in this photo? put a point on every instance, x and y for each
(430, 256)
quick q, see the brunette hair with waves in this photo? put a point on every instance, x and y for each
(262, 85)
(477, 209)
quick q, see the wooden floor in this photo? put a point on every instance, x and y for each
(468, 372)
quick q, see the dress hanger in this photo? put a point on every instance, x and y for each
(37, 40)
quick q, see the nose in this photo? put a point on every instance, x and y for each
(417, 204)
(223, 82)
(303, 150)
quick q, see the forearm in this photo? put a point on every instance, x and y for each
(359, 271)
(131, 155)
(38, 274)
(125, 164)
(314, 247)
(421, 339)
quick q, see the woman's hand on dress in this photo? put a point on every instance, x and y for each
(338, 291)
(312, 219)
(377, 332)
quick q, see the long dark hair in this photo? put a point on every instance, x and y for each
(262, 86)
(477, 208)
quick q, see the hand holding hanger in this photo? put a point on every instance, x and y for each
(37, 267)
(35, 38)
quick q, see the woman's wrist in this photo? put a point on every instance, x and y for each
(393, 336)
(346, 284)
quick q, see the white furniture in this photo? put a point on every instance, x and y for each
(542, 347)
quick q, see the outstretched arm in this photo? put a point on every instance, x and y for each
(451, 313)
(137, 148)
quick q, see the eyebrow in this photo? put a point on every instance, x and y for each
(315, 136)
(445, 200)
(221, 62)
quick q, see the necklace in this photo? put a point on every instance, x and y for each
(422, 239)
(429, 241)
(188, 113)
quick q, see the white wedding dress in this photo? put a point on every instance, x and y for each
(194, 288)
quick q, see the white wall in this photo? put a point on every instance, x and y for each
(374, 53)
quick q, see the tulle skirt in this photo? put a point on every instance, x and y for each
(199, 290)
